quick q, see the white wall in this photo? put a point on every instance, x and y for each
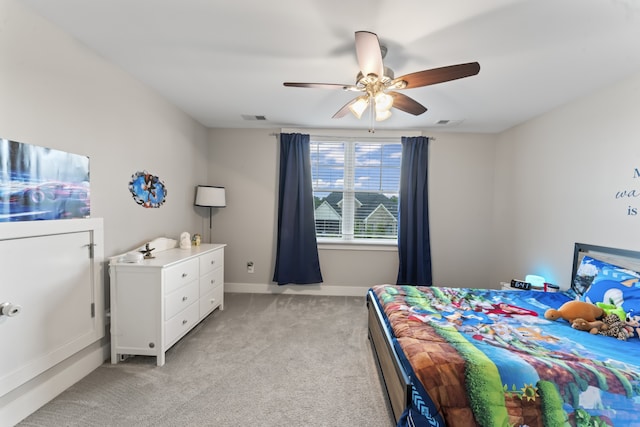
(556, 184)
(461, 181)
(245, 162)
(56, 93)
(461, 203)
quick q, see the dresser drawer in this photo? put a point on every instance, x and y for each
(180, 299)
(180, 324)
(211, 280)
(211, 301)
(210, 261)
(179, 275)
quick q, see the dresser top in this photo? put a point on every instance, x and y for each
(172, 256)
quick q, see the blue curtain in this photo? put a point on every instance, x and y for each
(414, 250)
(297, 250)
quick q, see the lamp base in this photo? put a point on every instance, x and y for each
(210, 236)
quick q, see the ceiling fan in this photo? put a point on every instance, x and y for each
(379, 86)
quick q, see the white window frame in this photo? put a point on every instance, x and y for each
(347, 241)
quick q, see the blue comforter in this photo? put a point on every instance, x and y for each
(490, 358)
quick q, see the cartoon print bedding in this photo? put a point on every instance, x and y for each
(490, 358)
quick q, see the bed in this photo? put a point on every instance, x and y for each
(467, 357)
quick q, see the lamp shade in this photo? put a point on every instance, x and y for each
(210, 196)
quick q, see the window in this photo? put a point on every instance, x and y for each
(355, 189)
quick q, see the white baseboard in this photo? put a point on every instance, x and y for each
(323, 290)
(26, 399)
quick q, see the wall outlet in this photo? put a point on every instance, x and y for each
(250, 268)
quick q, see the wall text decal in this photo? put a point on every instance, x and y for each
(630, 194)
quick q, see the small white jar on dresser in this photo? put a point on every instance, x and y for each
(155, 302)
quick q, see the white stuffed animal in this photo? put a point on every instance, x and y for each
(185, 240)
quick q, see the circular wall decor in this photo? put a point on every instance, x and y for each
(147, 190)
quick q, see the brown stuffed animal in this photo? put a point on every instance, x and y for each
(592, 327)
(572, 310)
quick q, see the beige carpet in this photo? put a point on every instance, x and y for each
(266, 360)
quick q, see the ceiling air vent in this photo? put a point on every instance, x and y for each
(448, 122)
(249, 117)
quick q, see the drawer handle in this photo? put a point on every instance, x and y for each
(184, 298)
(184, 322)
(213, 281)
(184, 275)
(213, 262)
(212, 300)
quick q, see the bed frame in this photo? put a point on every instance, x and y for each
(623, 257)
(396, 380)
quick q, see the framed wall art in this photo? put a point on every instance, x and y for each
(39, 183)
(147, 190)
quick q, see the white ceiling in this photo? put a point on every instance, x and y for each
(218, 60)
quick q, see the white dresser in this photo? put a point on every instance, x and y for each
(156, 302)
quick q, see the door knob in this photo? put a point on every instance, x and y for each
(9, 309)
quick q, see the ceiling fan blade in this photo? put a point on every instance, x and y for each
(439, 75)
(369, 53)
(344, 110)
(406, 104)
(320, 85)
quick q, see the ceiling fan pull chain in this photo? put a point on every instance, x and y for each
(372, 104)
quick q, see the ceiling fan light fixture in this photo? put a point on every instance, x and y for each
(382, 115)
(358, 107)
(383, 101)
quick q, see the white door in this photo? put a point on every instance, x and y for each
(51, 278)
